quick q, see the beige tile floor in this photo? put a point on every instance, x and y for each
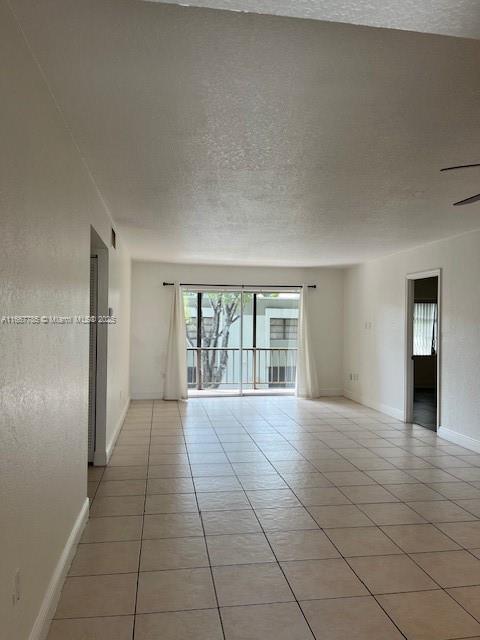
(271, 518)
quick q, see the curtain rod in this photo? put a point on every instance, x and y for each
(243, 286)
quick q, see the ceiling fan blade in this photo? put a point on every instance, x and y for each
(461, 166)
(467, 200)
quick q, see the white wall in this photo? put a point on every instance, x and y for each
(151, 303)
(47, 204)
(375, 292)
(118, 350)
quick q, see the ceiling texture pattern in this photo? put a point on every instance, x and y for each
(233, 138)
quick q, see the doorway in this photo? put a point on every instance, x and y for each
(92, 359)
(97, 353)
(423, 349)
(241, 341)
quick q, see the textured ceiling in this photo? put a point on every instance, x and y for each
(448, 17)
(223, 137)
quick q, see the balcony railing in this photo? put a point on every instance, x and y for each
(250, 368)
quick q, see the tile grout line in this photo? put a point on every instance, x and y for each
(204, 534)
(358, 577)
(273, 552)
(407, 554)
(316, 436)
(141, 533)
(152, 613)
(374, 524)
(98, 484)
(440, 588)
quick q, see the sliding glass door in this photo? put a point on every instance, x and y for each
(241, 341)
(214, 320)
(271, 357)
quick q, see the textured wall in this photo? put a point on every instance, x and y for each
(151, 308)
(47, 204)
(375, 292)
(118, 349)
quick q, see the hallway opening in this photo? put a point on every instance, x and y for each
(97, 352)
(423, 349)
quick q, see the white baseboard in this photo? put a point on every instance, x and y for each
(398, 414)
(102, 461)
(49, 604)
(152, 395)
(330, 393)
(156, 395)
(459, 438)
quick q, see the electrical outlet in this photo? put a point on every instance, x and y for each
(16, 591)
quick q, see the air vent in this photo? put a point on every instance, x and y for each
(114, 238)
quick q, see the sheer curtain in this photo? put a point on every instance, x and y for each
(176, 387)
(307, 377)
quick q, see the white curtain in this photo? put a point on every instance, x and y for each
(424, 328)
(307, 377)
(176, 367)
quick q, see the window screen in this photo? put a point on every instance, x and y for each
(283, 328)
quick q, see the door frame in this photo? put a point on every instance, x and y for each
(93, 353)
(99, 249)
(409, 372)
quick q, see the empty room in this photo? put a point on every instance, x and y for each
(239, 324)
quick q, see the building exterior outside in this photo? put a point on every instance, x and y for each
(255, 345)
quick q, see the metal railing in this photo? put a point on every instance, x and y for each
(249, 368)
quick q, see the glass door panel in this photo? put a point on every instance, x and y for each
(276, 339)
(241, 341)
(190, 308)
(220, 360)
(248, 341)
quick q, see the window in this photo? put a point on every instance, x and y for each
(424, 328)
(190, 310)
(283, 329)
(244, 340)
(207, 324)
(208, 328)
(191, 331)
